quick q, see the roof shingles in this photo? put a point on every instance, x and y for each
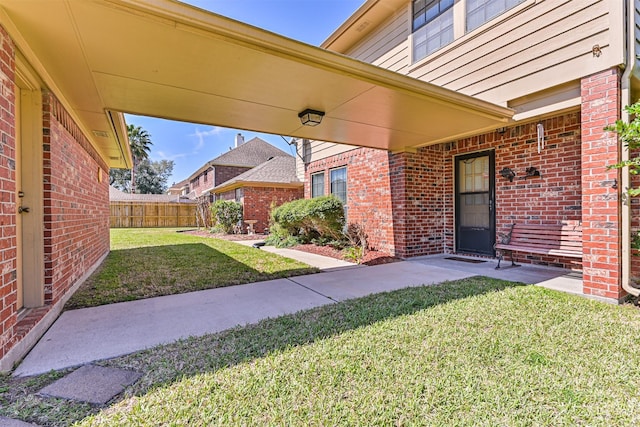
(280, 170)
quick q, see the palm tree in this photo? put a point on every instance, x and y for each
(140, 142)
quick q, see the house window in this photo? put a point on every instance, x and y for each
(317, 184)
(481, 11)
(339, 184)
(432, 26)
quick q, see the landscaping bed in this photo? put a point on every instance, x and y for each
(371, 257)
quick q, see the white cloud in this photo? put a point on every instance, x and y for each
(161, 155)
(201, 135)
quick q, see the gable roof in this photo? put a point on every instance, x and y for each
(276, 172)
(247, 155)
(116, 195)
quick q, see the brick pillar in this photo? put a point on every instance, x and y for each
(8, 240)
(601, 102)
(398, 185)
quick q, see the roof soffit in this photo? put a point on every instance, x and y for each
(170, 60)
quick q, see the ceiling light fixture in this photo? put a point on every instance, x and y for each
(310, 117)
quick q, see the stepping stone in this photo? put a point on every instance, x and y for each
(93, 384)
(10, 422)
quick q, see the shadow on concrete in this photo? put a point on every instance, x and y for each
(213, 352)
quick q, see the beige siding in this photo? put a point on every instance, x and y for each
(548, 44)
(533, 47)
(387, 47)
(530, 58)
(319, 150)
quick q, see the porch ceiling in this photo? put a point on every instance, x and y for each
(166, 59)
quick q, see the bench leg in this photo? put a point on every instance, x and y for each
(513, 263)
(500, 255)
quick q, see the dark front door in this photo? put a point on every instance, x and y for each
(475, 194)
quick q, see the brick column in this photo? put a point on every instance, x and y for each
(601, 101)
(8, 239)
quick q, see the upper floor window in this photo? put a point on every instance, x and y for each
(317, 184)
(432, 26)
(481, 11)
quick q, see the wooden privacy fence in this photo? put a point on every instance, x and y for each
(152, 214)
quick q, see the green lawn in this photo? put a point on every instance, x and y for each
(475, 352)
(146, 263)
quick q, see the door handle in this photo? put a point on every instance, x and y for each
(23, 209)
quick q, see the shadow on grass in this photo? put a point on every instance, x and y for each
(165, 364)
(152, 271)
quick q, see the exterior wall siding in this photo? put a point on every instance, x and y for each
(8, 240)
(319, 150)
(533, 47)
(387, 47)
(76, 203)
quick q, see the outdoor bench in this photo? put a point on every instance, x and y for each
(559, 240)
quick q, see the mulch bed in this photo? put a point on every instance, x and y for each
(230, 237)
(371, 257)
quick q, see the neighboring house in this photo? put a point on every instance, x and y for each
(179, 189)
(567, 68)
(244, 156)
(116, 195)
(271, 183)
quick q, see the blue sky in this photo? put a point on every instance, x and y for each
(190, 145)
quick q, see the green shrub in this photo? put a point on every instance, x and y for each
(226, 214)
(308, 219)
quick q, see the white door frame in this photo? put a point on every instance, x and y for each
(31, 194)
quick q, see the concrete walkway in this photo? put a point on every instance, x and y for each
(81, 336)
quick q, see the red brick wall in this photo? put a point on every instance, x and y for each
(257, 202)
(76, 205)
(601, 101)
(369, 195)
(225, 173)
(215, 176)
(8, 248)
(202, 182)
(419, 194)
(406, 200)
(552, 198)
